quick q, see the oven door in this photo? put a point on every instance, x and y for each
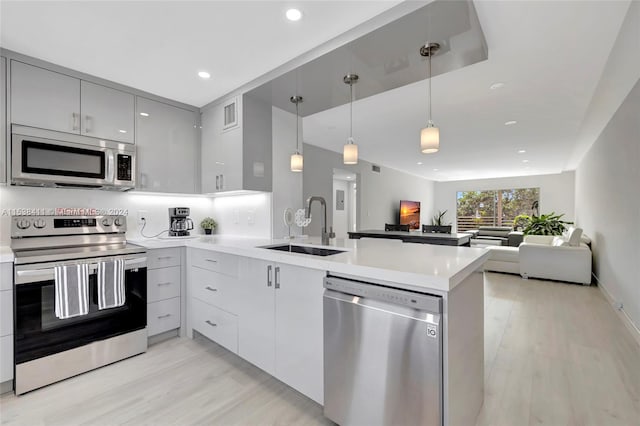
(39, 333)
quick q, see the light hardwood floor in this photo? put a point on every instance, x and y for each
(555, 354)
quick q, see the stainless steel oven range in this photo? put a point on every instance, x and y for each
(48, 349)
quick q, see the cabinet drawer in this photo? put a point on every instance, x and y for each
(163, 283)
(6, 358)
(163, 316)
(215, 261)
(6, 312)
(6, 276)
(214, 288)
(162, 258)
(216, 324)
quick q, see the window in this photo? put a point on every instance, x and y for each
(495, 207)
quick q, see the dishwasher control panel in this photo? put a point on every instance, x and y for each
(425, 302)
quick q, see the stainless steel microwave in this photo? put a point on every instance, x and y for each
(47, 158)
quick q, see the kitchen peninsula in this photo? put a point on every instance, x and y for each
(244, 296)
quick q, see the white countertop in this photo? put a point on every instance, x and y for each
(6, 254)
(412, 266)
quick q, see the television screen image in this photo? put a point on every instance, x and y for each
(410, 214)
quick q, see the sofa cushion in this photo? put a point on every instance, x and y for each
(503, 253)
(574, 236)
(559, 242)
(494, 231)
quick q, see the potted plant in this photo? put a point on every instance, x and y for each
(437, 225)
(521, 221)
(546, 224)
(208, 224)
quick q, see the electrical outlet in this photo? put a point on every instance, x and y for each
(142, 216)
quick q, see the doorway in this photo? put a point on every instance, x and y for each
(345, 189)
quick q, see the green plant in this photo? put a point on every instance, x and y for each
(546, 224)
(208, 223)
(521, 221)
(437, 219)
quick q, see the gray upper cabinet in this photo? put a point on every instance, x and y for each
(3, 119)
(168, 151)
(50, 100)
(236, 146)
(107, 113)
(44, 99)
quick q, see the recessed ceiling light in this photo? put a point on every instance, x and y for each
(522, 151)
(495, 86)
(293, 14)
(204, 75)
(144, 114)
(419, 163)
(435, 170)
(525, 161)
(122, 131)
(510, 123)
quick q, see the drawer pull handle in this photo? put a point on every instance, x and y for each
(161, 284)
(212, 324)
(210, 288)
(211, 260)
(164, 316)
(164, 257)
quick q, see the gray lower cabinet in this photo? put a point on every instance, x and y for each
(44, 99)
(164, 288)
(3, 119)
(6, 325)
(168, 148)
(54, 101)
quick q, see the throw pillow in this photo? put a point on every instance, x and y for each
(559, 242)
(575, 235)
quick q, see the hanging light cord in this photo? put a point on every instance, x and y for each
(351, 111)
(297, 132)
(430, 53)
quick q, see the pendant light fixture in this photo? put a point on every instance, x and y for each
(296, 158)
(350, 151)
(430, 135)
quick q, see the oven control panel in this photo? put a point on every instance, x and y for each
(44, 226)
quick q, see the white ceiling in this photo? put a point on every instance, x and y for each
(159, 46)
(549, 55)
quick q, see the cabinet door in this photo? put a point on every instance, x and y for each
(211, 168)
(167, 147)
(44, 99)
(299, 330)
(3, 119)
(256, 315)
(107, 113)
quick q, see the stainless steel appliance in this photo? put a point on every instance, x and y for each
(48, 349)
(179, 222)
(382, 355)
(47, 158)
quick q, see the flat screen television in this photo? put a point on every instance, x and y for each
(410, 214)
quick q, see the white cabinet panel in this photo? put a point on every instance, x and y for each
(299, 330)
(163, 283)
(163, 316)
(168, 147)
(6, 312)
(3, 119)
(6, 276)
(6, 358)
(216, 324)
(45, 99)
(256, 315)
(162, 258)
(214, 261)
(215, 289)
(107, 113)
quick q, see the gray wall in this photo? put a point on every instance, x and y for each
(378, 194)
(608, 205)
(556, 192)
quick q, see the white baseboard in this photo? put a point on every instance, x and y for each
(622, 314)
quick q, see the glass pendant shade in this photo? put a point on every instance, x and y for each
(350, 152)
(296, 162)
(430, 139)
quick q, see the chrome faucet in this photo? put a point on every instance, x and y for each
(325, 235)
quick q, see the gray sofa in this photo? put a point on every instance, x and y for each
(496, 235)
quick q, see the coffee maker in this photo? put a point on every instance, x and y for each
(179, 222)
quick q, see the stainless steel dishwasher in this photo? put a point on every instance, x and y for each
(382, 355)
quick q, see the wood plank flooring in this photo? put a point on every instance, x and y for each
(555, 354)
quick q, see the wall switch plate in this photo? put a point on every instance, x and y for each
(142, 214)
(251, 217)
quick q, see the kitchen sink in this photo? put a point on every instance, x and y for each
(315, 251)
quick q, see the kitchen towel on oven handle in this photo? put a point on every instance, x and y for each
(111, 292)
(71, 285)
